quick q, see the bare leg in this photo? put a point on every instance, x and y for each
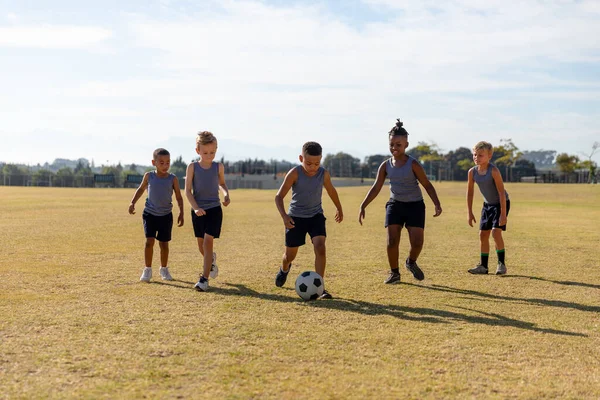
(164, 253)
(416, 237)
(288, 257)
(320, 255)
(484, 241)
(498, 240)
(208, 254)
(149, 251)
(393, 241)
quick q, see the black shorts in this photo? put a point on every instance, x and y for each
(490, 216)
(158, 227)
(314, 226)
(210, 223)
(405, 213)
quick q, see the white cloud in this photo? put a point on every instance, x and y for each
(52, 36)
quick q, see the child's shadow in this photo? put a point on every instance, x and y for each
(419, 314)
(567, 283)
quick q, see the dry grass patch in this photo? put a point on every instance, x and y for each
(77, 323)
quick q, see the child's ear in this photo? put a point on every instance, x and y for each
(154, 162)
(301, 158)
(197, 151)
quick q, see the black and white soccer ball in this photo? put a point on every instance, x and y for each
(309, 285)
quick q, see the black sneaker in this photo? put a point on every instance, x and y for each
(282, 277)
(415, 270)
(325, 295)
(393, 278)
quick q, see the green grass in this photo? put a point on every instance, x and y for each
(77, 323)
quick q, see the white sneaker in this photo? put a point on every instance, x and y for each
(214, 270)
(146, 274)
(202, 285)
(164, 274)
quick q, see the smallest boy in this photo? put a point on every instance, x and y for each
(495, 207)
(157, 215)
(305, 214)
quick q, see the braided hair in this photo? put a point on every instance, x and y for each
(398, 130)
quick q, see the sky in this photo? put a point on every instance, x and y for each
(111, 81)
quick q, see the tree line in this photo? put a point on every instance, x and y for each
(514, 165)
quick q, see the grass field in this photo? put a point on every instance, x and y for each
(76, 322)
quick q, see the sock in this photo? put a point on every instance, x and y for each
(395, 270)
(484, 259)
(500, 254)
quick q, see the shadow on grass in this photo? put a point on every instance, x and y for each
(567, 283)
(541, 302)
(419, 314)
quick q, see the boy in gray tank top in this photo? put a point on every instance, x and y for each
(495, 207)
(305, 214)
(203, 180)
(405, 206)
(157, 215)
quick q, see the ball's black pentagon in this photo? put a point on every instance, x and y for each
(305, 274)
(314, 296)
(302, 287)
(317, 282)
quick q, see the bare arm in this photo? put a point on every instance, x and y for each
(288, 181)
(373, 192)
(179, 198)
(470, 189)
(424, 181)
(223, 185)
(138, 193)
(189, 181)
(501, 194)
(333, 195)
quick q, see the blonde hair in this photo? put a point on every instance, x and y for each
(484, 146)
(205, 137)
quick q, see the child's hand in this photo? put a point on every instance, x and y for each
(339, 216)
(503, 219)
(226, 201)
(288, 222)
(132, 208)
(200, 212)
(361, 215)
(471, 219)
(438, 210)
(180, 220)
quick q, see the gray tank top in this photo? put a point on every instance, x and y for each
(160, 193)
(206, 186)
(404, 185)
(487, 187)
(306, 194)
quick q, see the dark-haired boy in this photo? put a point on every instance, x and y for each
(305, 214)
(157, 215)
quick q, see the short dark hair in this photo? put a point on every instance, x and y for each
(160, 152)
(312, 149)
(398, 130)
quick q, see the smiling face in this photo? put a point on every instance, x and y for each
(398, 145)
(207, 152)
(162, 164)
(310, 164)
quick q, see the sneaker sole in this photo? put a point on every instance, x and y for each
(478, 273)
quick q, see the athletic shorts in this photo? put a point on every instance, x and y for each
(405, 213)
(210, 223)
(490, 216)
(314, 226)
(158, 227)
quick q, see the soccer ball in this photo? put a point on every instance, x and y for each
(309, 285)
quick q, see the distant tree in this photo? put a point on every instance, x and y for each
(506, 155)
(342, 165)
(460, 161)
(589, 164)
(372, 163)
(567, 163)
(14, 175)
(64, 177)
(429, 155)
(178, 168)
(42, 177)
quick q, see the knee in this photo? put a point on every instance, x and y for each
(164, 245)
(393, 241)
(484, 235)
(149, 243)
(320, 248)
(497, 233)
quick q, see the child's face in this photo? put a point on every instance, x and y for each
(310, 164)
(481, 156)
(398, 145)
(162, 164)
(207, 152)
